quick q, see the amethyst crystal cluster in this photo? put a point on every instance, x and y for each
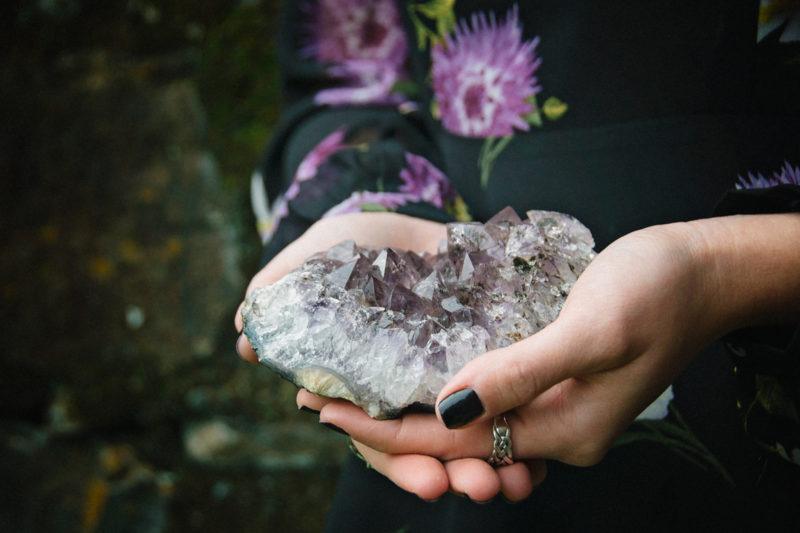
(386, 329)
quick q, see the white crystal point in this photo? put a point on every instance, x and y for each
(344, 251)
(380, 262)
(386, 329)
(426, 287)
(466, 269)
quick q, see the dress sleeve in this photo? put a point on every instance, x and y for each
(371, 161)
(767, 359)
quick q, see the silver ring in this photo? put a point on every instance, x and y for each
(501, 443)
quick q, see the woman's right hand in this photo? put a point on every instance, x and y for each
(425, 476)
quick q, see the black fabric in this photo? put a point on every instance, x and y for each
(778, 199)
(767, 358)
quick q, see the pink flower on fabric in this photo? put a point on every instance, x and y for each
(366, 82)
(483, 77)
(423, 182)
(360, 199)
(343, 30)
(787, 175)
(365, 45)
(311, 162)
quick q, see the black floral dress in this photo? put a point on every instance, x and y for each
(623, 114)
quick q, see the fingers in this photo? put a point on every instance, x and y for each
(238, 323)
(536, 431)
(311, 401)
(519, 480)
(245, 350)
(474, 478)
(413, 433)
(503, 379)
(480, 482)
(516, 482)
(419, 474)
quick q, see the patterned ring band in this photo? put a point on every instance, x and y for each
(501, 443)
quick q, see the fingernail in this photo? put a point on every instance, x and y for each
(431, 501)
(308, 410)
(484, 502)
(337, 429)
(460, 408)
(510, 502)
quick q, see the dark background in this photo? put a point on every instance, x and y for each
(128, 133)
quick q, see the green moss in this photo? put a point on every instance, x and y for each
(239, 84)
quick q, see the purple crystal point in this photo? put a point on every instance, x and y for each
(506, 216)
(386, 329)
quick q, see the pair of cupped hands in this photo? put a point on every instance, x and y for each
(631, 323)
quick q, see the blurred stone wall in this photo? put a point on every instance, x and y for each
(130, 128)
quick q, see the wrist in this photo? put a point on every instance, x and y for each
(748, 267)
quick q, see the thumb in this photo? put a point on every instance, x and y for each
(503, 379)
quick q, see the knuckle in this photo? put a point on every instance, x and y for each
(395, 437)
(514, 382)
(450, 447)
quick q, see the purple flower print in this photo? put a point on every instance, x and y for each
(787, 175)
(343, 30)
(310, 164)
(367, 82)
(423, 182)
(364, 44)
(483, 77)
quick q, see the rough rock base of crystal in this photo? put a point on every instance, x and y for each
(386, 329)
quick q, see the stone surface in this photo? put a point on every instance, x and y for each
(386, 329)
(127, 241)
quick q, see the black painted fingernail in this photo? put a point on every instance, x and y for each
(460, 408)
(308, 410)
(337, 429)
